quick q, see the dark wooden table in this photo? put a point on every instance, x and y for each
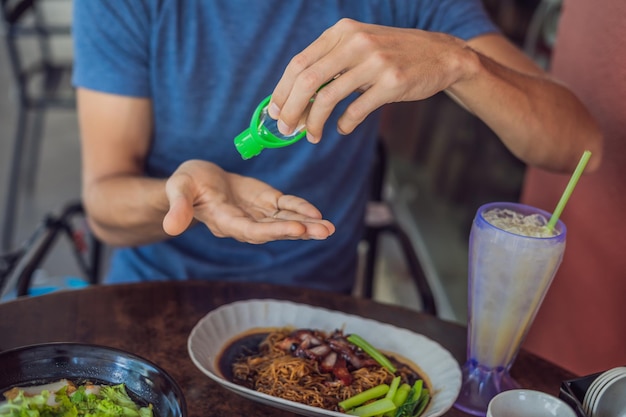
(153, 320)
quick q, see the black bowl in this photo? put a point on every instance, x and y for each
(45, 363)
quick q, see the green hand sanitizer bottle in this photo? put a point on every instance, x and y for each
(263, 133)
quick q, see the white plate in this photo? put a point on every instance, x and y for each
(223, 325)
(611, 401)
(598, 385)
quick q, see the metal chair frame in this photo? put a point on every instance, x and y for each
(22, 20)
(17, 267)
(380, 220)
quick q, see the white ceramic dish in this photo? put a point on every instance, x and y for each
(223, 325)
(598, 385)
(611, 400)
(528, 403)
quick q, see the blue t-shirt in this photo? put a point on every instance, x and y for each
(205, 65)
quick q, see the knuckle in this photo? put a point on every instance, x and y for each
(354, 112)
(299, 62)
(310, 79)
(380, 58)
(327, 95)
(347, 24)
(395, 78)
(365, 41)
(345, 127)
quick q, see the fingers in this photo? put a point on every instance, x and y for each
(299, 63)
(288, 218)
(326, 99)
(359, 109)
(295, 108)
(303, 77)
(285, 218)
(238, 207)
(181, 213)
(279, 225)
(315, 228)
(291, 208)
(291, 203)
(268, 230)
(356, 58)
(364, 79)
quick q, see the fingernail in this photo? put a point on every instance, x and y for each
(311, 138)
(274, 111)
(283, 128)
(300, 128)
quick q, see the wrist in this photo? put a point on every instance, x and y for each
(464, 66)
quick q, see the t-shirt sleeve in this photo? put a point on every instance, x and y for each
(112, 46)
(464, 19)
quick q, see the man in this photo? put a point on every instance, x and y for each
(165, 86)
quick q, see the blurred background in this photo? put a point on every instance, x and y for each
(442, 162)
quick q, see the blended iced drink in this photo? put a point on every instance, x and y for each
(513, 257)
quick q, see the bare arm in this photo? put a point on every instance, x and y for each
(127, 208)
(124, 207)
(538, 119)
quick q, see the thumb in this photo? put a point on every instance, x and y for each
(180, 214)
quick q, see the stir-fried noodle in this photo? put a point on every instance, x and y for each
(277, 372)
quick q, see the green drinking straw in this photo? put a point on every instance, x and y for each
(568, 190)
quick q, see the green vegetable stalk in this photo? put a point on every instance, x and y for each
(416, 401)
(363, 397)
(372, 351)
(393, 388)
(382, 406)
(400, 399)
(422, 403)
(402, 393)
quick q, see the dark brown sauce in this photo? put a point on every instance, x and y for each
(246, 345)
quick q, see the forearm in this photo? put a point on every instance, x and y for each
(539, 120)
(126, 210)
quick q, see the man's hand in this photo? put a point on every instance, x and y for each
(243, 208)
(487, 75)
(385, 64)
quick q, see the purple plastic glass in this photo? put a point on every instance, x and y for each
(509, 275)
